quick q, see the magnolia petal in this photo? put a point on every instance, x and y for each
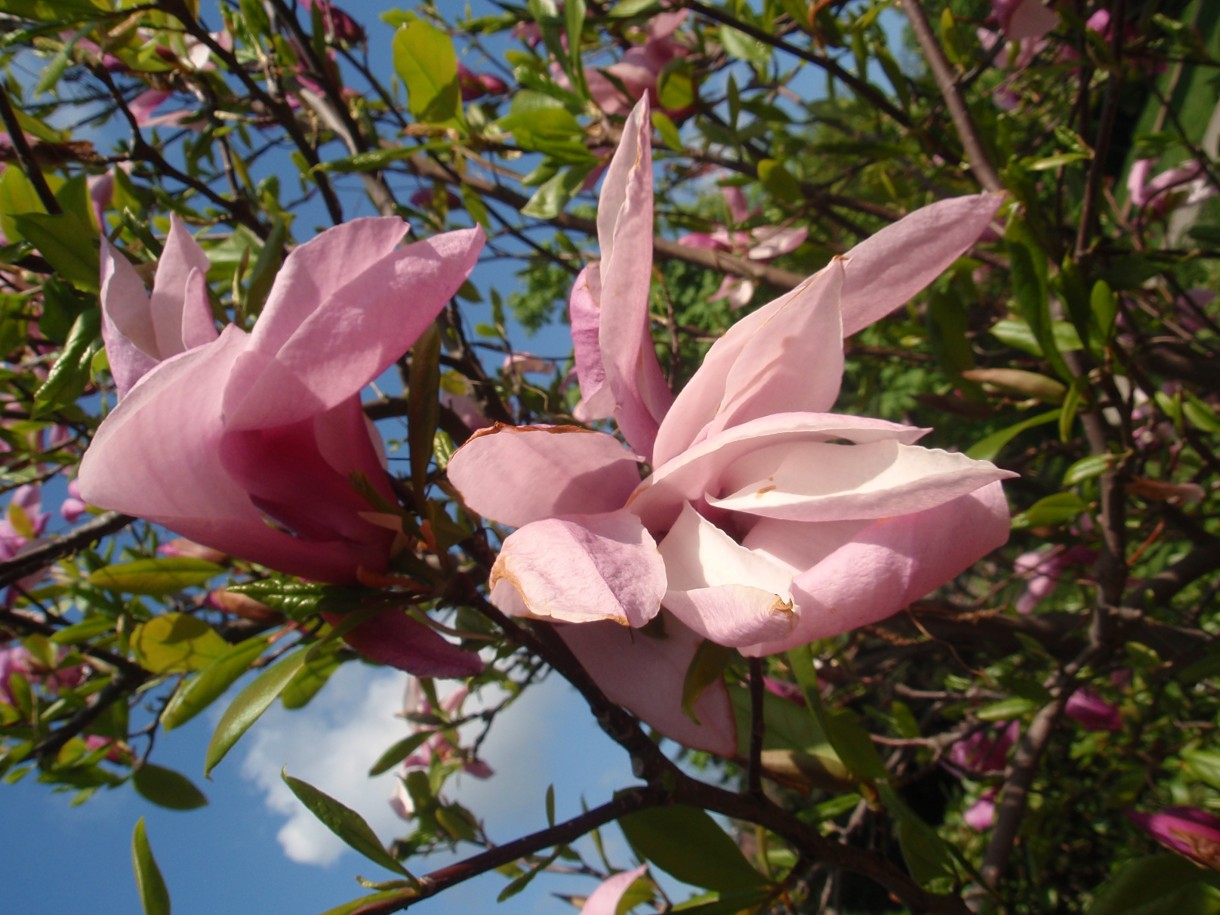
(772, 241)
(892, 562)
(584, 310)
(353, 332)
(786, 357)
(605, 899)
(518, 474)
(624, 231)
(886, 270)
(699, 469)
(126, 328)
(811, 481)
(177, 307)
(583, 568)
(645, 673)
(722, 590)
(393, 638)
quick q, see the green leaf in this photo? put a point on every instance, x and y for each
(312, 676)
(625, 8)
(1157, 884)
(676, 86)
(302, 599)
(687, 844)
(1006, 709)
(175, 643)
(68, 376)
(210, 683)
(778, 180)
(1051, 511)
(378, 902)
(927, 855)
(1018, 335)
(67, 243)
(740, 45)
(1020, 382)
(550, 199)
(398, 752)
(1087, 468)
(155, 577)
(990, 447)
(425, 61)
(344, 822)
(154, 895)
(250, 703)
(423, 406)
(167, 788)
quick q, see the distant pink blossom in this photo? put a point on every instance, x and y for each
(1183, 185)
(477, 85)
(1188, 831)
(757, 528)
(762, 243)
(1042, 570)
(605, 899)
(980, 816)
(340, 28)
(1092, 712)
(984, 752)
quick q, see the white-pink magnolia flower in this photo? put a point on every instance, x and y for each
(766, 521)
(605, 899)
(762, 243)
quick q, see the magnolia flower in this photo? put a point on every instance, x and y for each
(1023, 19)
(1092, 712)
(984, 752)
(436, 746)
(766, 522)
(605, 899)
(638, 74)
(980, 816)
(476, 85)
(255, 444)
(762, 243)
(1183, 185)
(1185, 830)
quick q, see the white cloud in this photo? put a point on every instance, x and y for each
(547, 737)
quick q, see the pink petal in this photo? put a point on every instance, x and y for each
(581, 568)
(886, 270)
(892, 562)
(393, 638)
(721, 590)
(337, 317)
(785, 357)
(715, 242)
(698, 470)
(735, 199)
(644, 672)
(180, 312)
(605, 899)
(772, 241)
(518, 474)
(624, 231)
(585, 313)
(813, 481)
(127, 331)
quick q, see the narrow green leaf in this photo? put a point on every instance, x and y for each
(705, 669)
(423, 406)
(1157, 884)
(344, 822)
(1006, 709)
(250, 703)
(1087, 468)
(687, 844)
(210, 683)
(988, 449)
(740, 45)
(378, 902)
(398, 752)
(1051, 511)
(67, 243)
(167, 788)
(154, 895)
(68, 376)
(155, 577)
(927, 855)
(550, 805)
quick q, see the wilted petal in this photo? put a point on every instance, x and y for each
(582, 568)
(886, 270)
(394, 639)
(786, 357)
(518, 474)
(722, 590)
(892, 562)
(337, 317)
(813, 481)
(605, 899)
(645, 673)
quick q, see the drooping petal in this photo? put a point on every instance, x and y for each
(518, 474)
(624, 232)
(892, 562)
(605, 899)
(772, 241)
(645, 672)
(394, 639)
(581, 568)
(722, 590)
(889, 268)
(303, 361)
(584, 310)
(812, 481)
(786, 357)
(698, 470)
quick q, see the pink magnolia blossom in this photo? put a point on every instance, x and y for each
(1186, 830)
(1183, 185)
(16, 659)
(605, 899)
(1092, 712)
(252, 443)
(21, 528)
(980, 816)
(766, 522)
(340, 27)
(436, 746)
(762, 243)
(984, 752)
(1042, 570)
(638, 72)
(476, 85)
(1023, 19)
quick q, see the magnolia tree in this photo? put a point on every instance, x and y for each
(870, 504)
